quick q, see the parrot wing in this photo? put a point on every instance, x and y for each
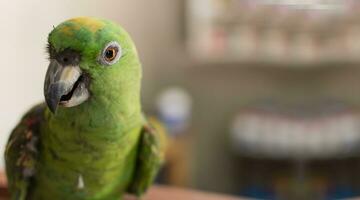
(21, 152)
(150, 158)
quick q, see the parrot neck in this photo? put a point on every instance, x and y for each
(99, 114)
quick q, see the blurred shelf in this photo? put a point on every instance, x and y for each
(280, 63)
(310, 132)
(255, 33)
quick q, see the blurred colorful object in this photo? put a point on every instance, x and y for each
(174, 107)
(304, 133)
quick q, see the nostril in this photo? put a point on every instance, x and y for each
(65, 59)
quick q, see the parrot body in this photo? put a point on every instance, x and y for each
(91, 141)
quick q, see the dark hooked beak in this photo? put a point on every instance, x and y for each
(64, 85)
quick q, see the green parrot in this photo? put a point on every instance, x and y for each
(90, 140)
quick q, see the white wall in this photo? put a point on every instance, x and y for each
(24, 28)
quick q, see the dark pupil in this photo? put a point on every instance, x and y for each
(110, 53)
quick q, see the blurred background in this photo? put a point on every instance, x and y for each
(260, 97)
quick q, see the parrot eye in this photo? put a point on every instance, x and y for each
(111, 53)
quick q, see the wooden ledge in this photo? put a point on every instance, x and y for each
(156, 192)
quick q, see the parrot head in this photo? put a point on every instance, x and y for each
(90, 60)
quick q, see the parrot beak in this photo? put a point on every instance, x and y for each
(64, 85)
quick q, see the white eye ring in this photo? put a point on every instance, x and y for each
(111, 53)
